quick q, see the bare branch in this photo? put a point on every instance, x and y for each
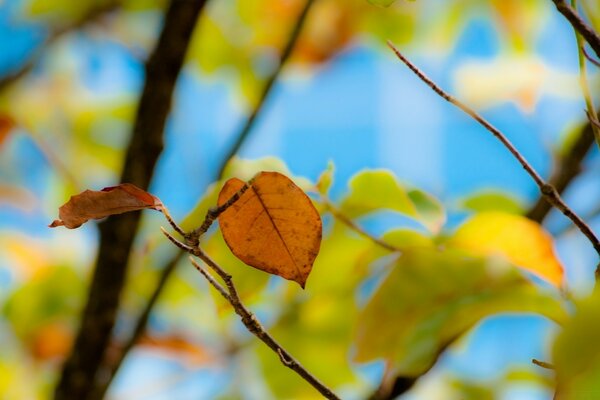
(585, 30)
(255, 327)
(590, 58)
(547, 190)
(285, 55)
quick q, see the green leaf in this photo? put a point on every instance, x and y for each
(576, 354)
(376, 190)
(492, 201)
(431, 297)
(430, 211)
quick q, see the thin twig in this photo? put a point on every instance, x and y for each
(585, 30)
(213, 213)
(285, 55)
(547, 190)
(255, 327)
(337, 214)
(542, 364)
(590, 58)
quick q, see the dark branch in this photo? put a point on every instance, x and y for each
(285, 55)
(117, 234)
(585, 30)
(167, 272)
(548, 191)
(568, 167)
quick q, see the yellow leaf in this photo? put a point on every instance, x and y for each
(522, 241)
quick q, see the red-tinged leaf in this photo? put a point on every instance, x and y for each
(111, 200)
(273, 226)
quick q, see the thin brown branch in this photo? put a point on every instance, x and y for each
(117, 234)
(585, 30)
(255, 327)
(567, 168)
(285, 55)
(542, 364)
(590, 58)
(337, 214)
(548, 191)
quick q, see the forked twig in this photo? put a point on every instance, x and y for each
(548, 191)
(229, 293)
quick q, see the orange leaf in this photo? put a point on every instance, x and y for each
(112, 200)
(273, 226)
(179, 346)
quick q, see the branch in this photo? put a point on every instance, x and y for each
(548, 191)
(117, 234)
(141, 323)
(110, 367)
(285, 55)
(586, 31)
(355, 227)
(568, 167)
(590, 58)
(253, 325)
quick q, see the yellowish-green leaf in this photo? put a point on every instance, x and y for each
(576, 354)
(492, 201)
(376, 190)
(431, 297)
(522, 241)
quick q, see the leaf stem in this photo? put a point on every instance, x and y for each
(547, 190)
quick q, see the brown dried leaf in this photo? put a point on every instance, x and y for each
(112, 200)
(273, 226)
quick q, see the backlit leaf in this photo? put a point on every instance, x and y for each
(384, 3)
(6, 126)
(375, 190)
(326, 179)
(431, 297)
(112, 200)
(576, 354)
(522, 241)
(273, 226)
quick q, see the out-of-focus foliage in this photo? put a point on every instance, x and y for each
(461, 290)
(575, 355)
(427, 297)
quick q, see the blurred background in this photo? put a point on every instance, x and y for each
(71, 74)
